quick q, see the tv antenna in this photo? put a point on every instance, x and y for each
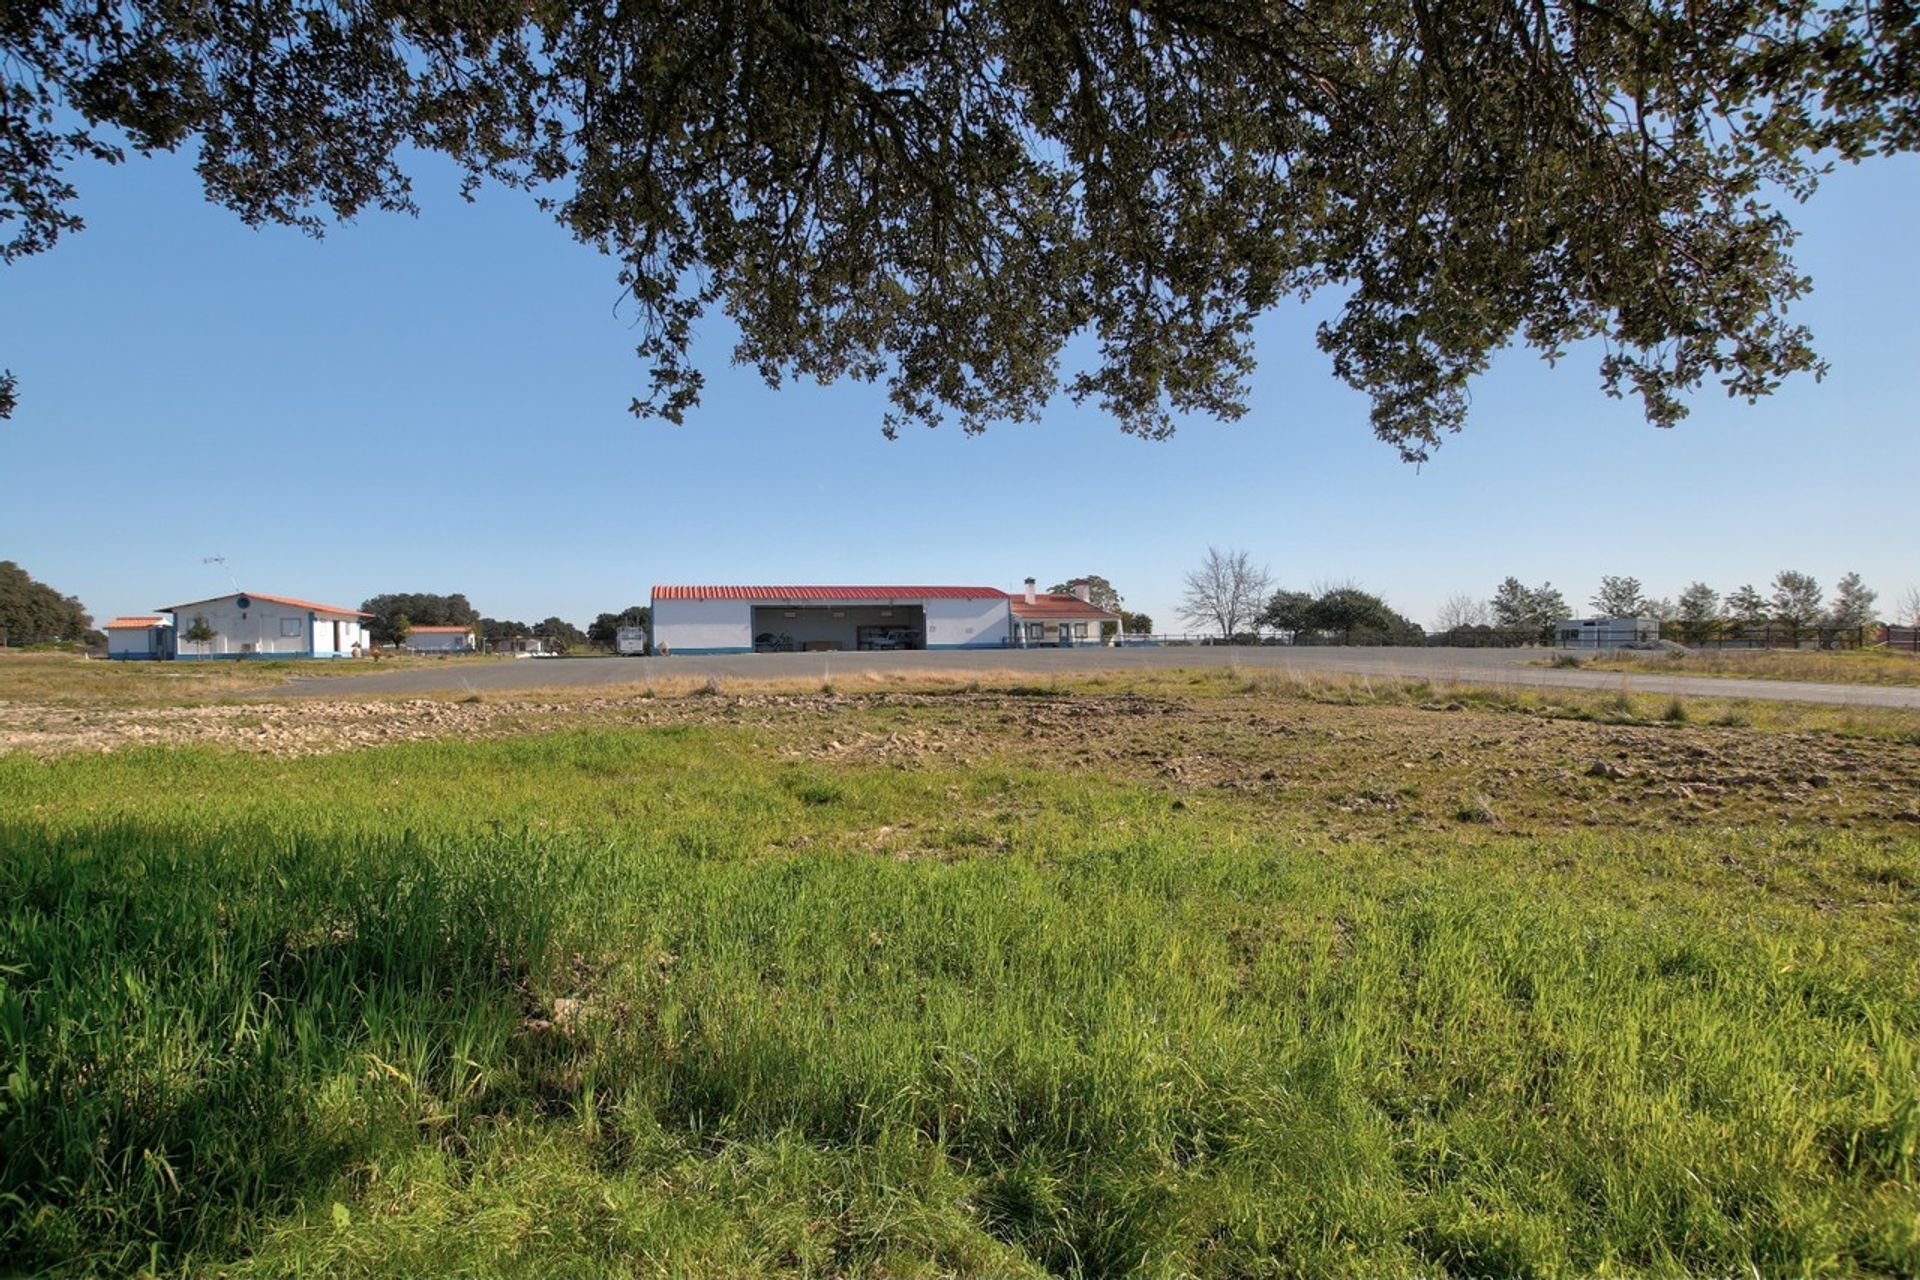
(222, 562)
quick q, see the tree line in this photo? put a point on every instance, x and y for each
(31, 612)
(1231, 595)
(395, 614)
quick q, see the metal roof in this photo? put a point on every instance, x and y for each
(827, 593)
(1049, 605)
(286, 600)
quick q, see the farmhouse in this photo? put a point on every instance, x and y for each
(252, 625)
(139, 639)
(1048, 618)
(441, 639)
(813, 619)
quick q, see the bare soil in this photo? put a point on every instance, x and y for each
(1354, 770)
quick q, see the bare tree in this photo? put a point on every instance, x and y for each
(1463, 610)
(1910, 607)
(1227, 591)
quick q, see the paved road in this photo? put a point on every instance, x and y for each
(1464, 666)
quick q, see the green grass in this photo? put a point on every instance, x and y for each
(1850, 666)
(659, 1002)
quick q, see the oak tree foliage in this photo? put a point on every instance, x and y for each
(940, 196)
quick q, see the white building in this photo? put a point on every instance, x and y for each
(1048, 618)
(139, 639)
(782, 619)
(1606, 633)
(441, 639)
(251, 625)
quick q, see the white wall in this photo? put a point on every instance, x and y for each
(142, 642)
(260, 626)
(440, 642)
(973, 623)
(683, 626)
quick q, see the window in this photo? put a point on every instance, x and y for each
(1035, 630)
(1079, 630)
(290, 627)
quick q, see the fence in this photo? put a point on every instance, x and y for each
(1767, 635)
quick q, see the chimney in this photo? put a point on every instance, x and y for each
(1083, 591)
(1029, 590)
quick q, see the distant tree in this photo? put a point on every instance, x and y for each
(1458, 612)
(1136, 624)
(495, 629)
(1853, 603)
(1660, 609)
(1619, 597)
(1287, 611)
(1226, 591)
(31, 612)
(399, 629)
(1099, 590)
(201, 632)
(1796, 600)
(421, 609)
(1747, 606)
(1517, 607)
(1910, 607)
(560, 634)
(1347, 609)
(604, 632)
(1699, 612)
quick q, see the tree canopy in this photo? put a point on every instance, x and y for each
(604, 631)
(941, 197)
(1101, 593)
(31, 612)
(416, 609)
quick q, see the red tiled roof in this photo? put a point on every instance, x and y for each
(1047, 605)
(132, 624)
(827, 593)
(448, 631)
(286, 600)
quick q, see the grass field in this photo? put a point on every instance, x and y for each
(1028, 981)
(1854, 666)
(67, 678)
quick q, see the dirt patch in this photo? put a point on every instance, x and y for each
(1345, 769)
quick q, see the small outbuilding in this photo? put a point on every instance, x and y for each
(438, 639)
(249, 624)
(143, 638)
(1606, 633)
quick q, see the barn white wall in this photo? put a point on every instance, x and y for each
(966, 624)
(703, 626)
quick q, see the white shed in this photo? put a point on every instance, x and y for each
(249, 624)
(441, 639)
(142, 638)
(1606, 633)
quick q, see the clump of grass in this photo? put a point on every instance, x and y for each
(709, 688)
(1676, 712)
(826, 687)
(472, 698)
(1567, 660)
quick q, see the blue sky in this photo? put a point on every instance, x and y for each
(439, 404)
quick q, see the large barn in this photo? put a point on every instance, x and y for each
(806, 619)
